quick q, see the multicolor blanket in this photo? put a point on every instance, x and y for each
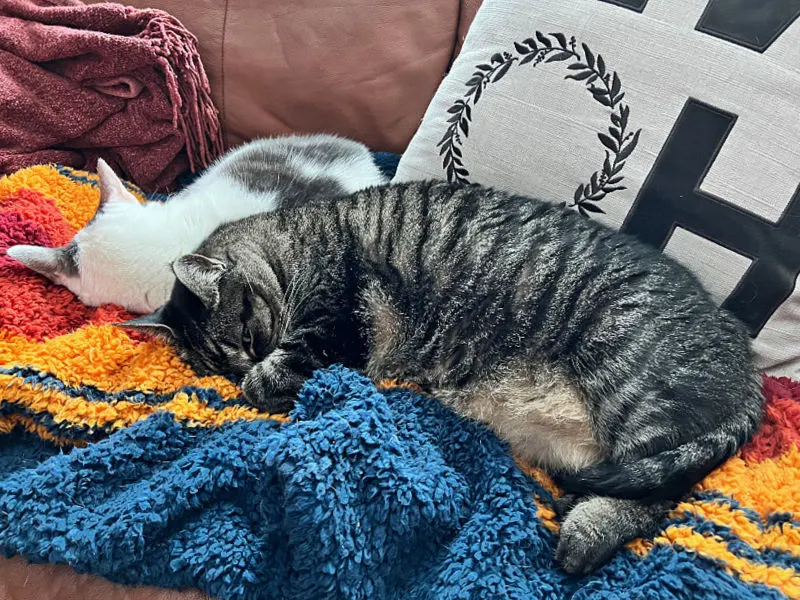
(116, 459)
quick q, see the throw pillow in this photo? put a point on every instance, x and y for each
(677, 121)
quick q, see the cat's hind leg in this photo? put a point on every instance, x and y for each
(545, 419)
(597, 526)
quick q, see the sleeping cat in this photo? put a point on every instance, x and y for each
(595, 356)
(123, 254)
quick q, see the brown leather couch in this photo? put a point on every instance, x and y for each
(365, 69)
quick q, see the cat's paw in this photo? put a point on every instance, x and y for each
(595, 528)
(260, 393)
(584, 544)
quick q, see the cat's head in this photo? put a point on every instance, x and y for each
(108, 261)
(222, 321)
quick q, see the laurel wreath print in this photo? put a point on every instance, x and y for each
(588, 68)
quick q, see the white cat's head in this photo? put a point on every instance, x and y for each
(104, 263)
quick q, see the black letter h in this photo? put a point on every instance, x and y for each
(671, 197)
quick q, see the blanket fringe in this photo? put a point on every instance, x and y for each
(193, 111)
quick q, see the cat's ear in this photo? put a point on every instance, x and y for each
(200, 274)
(112, 190)
(53, 263)
(152, 324)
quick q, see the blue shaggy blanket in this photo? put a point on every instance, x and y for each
(365, 493)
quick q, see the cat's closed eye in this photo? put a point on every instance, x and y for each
(248, 342)
(256, 337)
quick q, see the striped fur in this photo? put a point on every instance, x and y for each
(595, 356)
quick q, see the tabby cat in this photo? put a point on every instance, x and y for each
(595, 356)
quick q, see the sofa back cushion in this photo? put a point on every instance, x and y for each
(361, 68)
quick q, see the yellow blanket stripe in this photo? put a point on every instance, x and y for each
(766, 487)
(63, 191)
(10, 422)
(106, 358)
(709, 547)
(540, 476)
(80, 412)
(783, 537)
(76, 201)
(547, 516)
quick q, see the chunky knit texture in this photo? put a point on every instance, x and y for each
(116, 459)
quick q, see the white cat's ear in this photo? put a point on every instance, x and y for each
(53, 263)
(112, 190)
(200, 274)
(152, 324)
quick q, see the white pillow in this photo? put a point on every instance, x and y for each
(674, 120)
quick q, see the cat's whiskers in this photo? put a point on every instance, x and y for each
(292, 303)
(249, 284)
(296, 305)
(288, 306)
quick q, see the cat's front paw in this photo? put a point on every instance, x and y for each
(260, 393)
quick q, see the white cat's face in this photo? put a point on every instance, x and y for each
(103, 263)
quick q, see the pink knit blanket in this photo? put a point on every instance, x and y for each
(79, 82)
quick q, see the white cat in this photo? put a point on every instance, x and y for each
(124, 253)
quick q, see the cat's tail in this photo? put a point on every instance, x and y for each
(667, 475)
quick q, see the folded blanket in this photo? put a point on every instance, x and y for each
(80, 82)
(367, 490)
